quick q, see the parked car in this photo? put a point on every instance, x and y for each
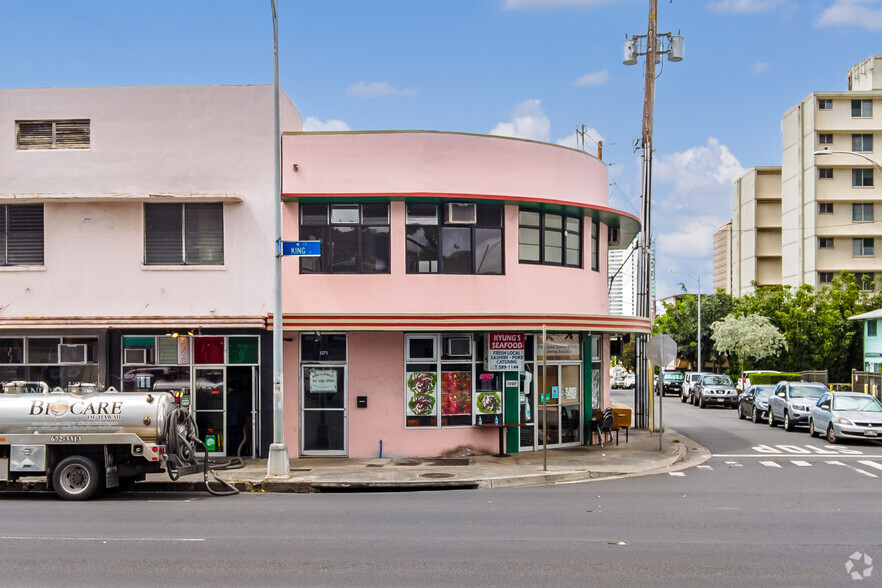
(791, 403)
(672, 383)
(618, 382)
(630, 381)
(846, 415)
(744, 380)
(754, 403)
(715, 390)
(689, 381)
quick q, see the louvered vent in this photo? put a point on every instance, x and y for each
(53, 134)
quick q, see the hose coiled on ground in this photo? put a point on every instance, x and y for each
(182, 439)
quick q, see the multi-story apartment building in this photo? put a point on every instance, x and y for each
(445, 257)
(136, 245)
(756, 231)
(622, 264)
(723, 257)
(819, 217)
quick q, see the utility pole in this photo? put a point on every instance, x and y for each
(643, 386)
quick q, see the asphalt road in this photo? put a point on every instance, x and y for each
(736, 520)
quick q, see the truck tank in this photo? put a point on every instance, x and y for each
(143, 414)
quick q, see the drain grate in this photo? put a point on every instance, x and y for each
(453, 461)
(301, 469)
(436, 475)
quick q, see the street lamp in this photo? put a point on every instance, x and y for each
(699, 314)
(861, 155)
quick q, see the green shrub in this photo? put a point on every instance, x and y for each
(767, 378)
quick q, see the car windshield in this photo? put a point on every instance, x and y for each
(716, 381)
(861, 403)
(764, 391)
(797, 391)
(673, 377)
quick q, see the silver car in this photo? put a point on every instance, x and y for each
(715, 390)
(846, 414)
(791, 402)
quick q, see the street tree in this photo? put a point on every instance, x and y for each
(752, 336)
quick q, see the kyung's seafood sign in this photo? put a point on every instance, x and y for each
(504, 352)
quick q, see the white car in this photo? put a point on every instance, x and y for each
(846, 415)
(743, 382)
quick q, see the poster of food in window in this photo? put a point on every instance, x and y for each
(456, 393)
(488, 402)
(421, 393)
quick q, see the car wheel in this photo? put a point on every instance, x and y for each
(741, 415)
(831, 435)
(683, 398)
(76, 478)
(788, 424)
(812, 432)
(754, 415)
(772, 422)
(701, 401)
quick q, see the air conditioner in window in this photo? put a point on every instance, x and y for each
(135, 356)
(72, 353)
(460, 213)
(614, 236)
(458, 347)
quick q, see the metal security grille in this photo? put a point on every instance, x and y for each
(21, 234)
(53, 134)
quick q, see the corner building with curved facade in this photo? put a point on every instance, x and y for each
(418, 330)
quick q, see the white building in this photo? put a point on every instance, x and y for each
(622, 267)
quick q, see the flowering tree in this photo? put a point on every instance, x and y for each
(752, 336)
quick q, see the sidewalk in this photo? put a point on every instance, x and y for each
(639, 456)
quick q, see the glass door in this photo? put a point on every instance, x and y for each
(209, 405)
(239, 431)
(559, 417)
(323, 410)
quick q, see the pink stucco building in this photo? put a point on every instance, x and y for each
(444, 257)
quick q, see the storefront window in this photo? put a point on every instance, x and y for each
(243, 349)
(58, 361)
(208, 350)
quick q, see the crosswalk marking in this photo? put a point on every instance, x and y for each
(858, 470)
(676, 473)
(799, 462)
(771, 464)
(733, 464)
(705, 467)
(872, 464)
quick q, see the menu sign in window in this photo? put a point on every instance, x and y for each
(322, 381)
(504, 352)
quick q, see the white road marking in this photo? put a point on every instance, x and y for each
(676, 474)
(771, 464)
(107, 539)
(800, 463)
(872, 464)
(827, 455)
(705, 467)
(858, 470)
(733, 464)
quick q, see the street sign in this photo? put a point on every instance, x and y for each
(661, 349)
(302, 248)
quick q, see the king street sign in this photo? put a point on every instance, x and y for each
(302, 248)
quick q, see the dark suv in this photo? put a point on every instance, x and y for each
(672, 383)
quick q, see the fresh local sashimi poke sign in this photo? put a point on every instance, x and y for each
(505, 352)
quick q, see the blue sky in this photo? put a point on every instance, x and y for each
(537, 69)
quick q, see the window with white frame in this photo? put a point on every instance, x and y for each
(825, 277)
(52, 134)
(354, 237)
(184, 234)
(825, 242)
(866, 281)
(862, 211)
(862, 142)
(825, 173)
(863, 247)
(871, 328)
(21, 234)
(862, 177)
(445, 384)
(825, 138)
(861, 108)
(825, 208)
(825, 104)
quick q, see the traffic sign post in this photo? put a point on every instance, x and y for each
(661, 350)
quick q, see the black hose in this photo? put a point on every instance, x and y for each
(182, 436)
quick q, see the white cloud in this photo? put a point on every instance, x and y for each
(312, 124)
(596, 78)
(575, 140)
(377, 89)
(745, 6)
(539, 4)
(852, 13)
(760, 67)
(699, 171)
(528, 121)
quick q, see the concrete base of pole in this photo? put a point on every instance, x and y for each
(277, 463)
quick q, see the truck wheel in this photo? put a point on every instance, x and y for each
(76, 478)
